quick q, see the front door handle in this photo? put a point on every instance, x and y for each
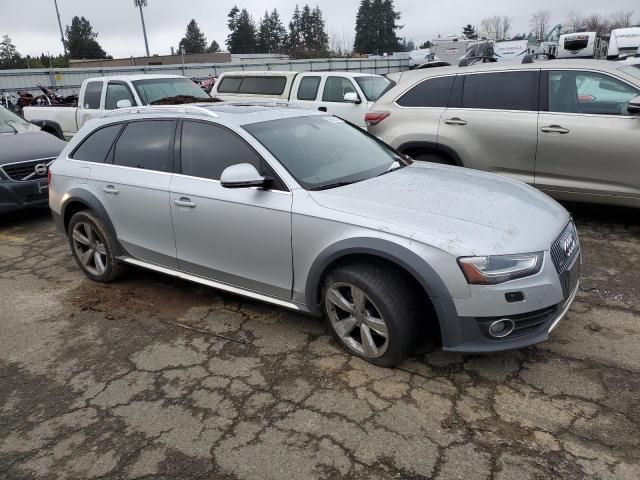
(184, 202)
(110, 189)
(455, 121)
(555, 129)
(322, 109)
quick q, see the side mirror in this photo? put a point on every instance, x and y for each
(124, 103)
(242, 175)
(352, 97)
(634, 106)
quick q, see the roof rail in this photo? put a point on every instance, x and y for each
(160, 109)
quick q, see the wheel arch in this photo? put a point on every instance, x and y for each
(359, 248)
(431, 147)
(78, 200)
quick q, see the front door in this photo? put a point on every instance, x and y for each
(240, 237)
(133, 187)
(588, 141)
(332, 100)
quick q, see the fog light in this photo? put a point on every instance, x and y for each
(501, 328)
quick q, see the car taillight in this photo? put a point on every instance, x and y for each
(374, 118)
(48, 176)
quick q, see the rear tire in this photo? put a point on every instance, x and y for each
(372, 311)
(93, 247)
(433, 158)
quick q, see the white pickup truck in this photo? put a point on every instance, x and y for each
(101, 94)
(344, 94)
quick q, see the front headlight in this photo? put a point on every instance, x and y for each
(494, 269)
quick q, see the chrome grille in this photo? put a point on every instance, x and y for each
(25, 171)
(562, 259)
(566, 259)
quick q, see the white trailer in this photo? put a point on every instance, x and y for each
(624, 42)
(581, 45)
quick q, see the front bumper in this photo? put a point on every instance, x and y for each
(19, 195)
(541, 302)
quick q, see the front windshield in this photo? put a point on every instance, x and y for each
(324, 152)
(11, 123)
(374, 87)
(633, 70)
(156, 89)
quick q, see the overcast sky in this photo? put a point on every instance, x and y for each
(33, 28)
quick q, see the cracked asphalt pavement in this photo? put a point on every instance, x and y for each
(105, 381)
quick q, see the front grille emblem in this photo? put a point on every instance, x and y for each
(569, 246)
(40, 169)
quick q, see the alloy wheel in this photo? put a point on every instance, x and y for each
(89, 248)
(356, 320)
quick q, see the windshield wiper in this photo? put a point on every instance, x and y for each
(334, 185)
(392, 168)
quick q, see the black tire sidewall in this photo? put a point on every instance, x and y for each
(400, 329)
(94, 221)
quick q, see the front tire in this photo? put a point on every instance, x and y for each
(93, 247)
(372, 312)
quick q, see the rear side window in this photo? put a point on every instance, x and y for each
(308, 88)
(96, 146)
(253, 85)
(147, 145)
(206, 150)
(92, 95)
(502, 91)
(229, 85)
(434, 92)
(115, 93)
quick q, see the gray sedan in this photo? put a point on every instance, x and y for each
(305, 211)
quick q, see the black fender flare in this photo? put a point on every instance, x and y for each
(432, 146)
(91, 201)
(397, 254)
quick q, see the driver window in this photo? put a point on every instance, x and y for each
(588, 93)
(335, 89)
(115, 93)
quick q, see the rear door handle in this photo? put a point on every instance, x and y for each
(455, 121)
(322, 109)
(110, 189)
(184, 202)
(555, 129)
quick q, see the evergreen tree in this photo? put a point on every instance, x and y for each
(194, 40)
(214, 47)
(242, 38)
(320, 39)
(469, 31)
(376, 25)
(272, 36)
(80, 40)
(9, 56)
(295, 39)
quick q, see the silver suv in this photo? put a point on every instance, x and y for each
(568, 127)
(303, 210)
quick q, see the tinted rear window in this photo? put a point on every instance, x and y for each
(501, 91)
(92, 95)
(147, 145)
(96, 146)
(308, 88)
(430, 93)
(253, 85)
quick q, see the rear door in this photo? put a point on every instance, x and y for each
(588, 142)
(91, 106)
(133, 187)
(240, 237)
(305, 91)
(492, 122)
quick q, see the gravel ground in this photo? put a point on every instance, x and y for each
(98, 381)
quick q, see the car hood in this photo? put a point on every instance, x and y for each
(461, 211)
(21, 147)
